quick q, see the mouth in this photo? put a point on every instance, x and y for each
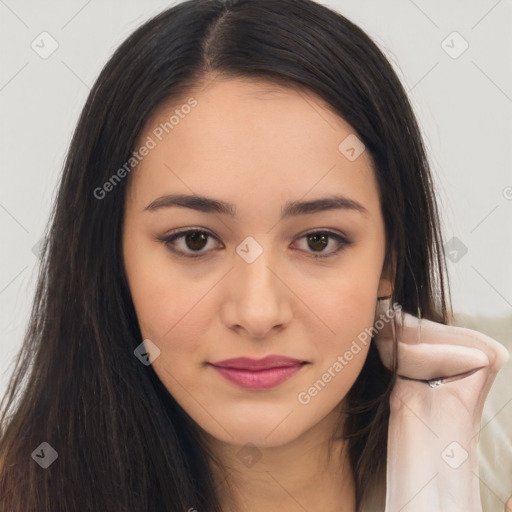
(256, 374)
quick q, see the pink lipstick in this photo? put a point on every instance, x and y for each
(257, 374)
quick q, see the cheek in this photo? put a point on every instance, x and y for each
(341, 353)
(346, 307)
(351, 319)
(172, 319)
(175, 321)
(166, 301)
(345, 301)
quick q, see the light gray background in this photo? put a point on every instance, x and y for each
(464, 106)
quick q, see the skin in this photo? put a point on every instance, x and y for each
(257, 145)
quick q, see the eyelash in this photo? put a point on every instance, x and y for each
(168, 240)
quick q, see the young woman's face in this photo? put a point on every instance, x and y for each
(252, 280)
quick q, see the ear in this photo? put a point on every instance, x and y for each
(387, 280)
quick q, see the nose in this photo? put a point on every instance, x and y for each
(257, 300)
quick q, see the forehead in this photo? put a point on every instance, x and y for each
(243, 136)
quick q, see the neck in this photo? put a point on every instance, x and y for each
(312, 472)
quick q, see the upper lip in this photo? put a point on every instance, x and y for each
(247, 363)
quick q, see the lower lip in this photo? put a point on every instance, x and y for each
(259, 379)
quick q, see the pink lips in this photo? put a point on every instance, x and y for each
(263, 373)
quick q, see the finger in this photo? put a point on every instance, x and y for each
(412, 331)
(427, 361)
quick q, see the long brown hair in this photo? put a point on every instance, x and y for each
(123, 442)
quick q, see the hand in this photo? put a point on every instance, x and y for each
(434, 428)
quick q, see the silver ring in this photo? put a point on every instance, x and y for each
(434, 383)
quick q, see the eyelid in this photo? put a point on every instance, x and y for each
(342, 239)
(175, 234)
(169, 237)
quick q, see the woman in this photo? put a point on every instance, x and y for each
(245, 198)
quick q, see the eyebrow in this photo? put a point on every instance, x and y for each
(290, 209)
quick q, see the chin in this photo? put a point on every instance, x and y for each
(266, 433)
(257, 438)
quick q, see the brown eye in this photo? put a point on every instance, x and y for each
(196, 240)
(318, 242)
(189, 244)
